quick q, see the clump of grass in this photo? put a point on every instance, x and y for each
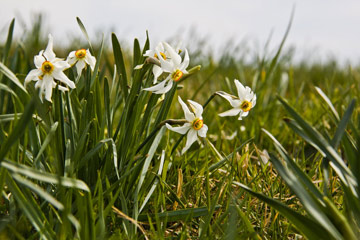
(98, 161)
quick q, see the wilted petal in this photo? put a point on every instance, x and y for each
(197, 108)
(202, 132)
(80, 66)
(182, 130)
(231, 112)
(33, 75)
(175, 57)
(49, 53)
(191, 138)
(63, 78)
(189, 116)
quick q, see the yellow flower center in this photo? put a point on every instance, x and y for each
(162, 54)
(177, 75)
(246, 106)
(81, 53)
(197, 124)
(47, 67)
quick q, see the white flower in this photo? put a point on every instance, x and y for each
(242, 104)
(194, 127)
(49, 67)
(152, 53)
(173, 65)
(81, 57)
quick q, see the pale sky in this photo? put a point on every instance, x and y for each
(320, 28)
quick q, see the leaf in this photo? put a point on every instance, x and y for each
(336, 162)
(30, 209)
(8, 40)
(41, 192)
(47, 140)
(146, 165)
(9, 74)
(120, 65)
(307, 226)
(18, 130)
(44, 176)
(178, 215)
(83, 29)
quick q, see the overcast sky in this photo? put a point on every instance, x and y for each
(320, 28)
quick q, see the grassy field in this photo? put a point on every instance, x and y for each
(98, 162)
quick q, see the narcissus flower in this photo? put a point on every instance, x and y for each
(152, 53)
(49, 68)
(194, 127)
(242, 104)
(81, 57)
(174, 65)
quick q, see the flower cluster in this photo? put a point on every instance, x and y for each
(171, 63)
(49, 72)
(168, 60)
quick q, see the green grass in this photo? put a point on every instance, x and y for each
(98, 164)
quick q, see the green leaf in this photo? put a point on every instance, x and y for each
(44, 176)
(146, 165)
(30, 209)
(41, 192)
(178, 215)
(336, 162)
(18, 130)
(9, 74)
(120, 65)
(83, 29)
(310, 228)
(8, 40)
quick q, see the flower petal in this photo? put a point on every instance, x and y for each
(157, 87)
(175, 57)
(191, 138)
(165, 89)
(80, 66)
(89, 59)
(157, 71)
(33, 75)
(202, 132)
(197, 109)
(182, 130)
(59, 75)
(49, 53)
(234, 101)
(189, 116)
(243, 114)
(38, 60)
(186, 61)
(167, 66)
(231, 112)
(48, 84)
(61, 65)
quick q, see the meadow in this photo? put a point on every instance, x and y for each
(98, 160)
